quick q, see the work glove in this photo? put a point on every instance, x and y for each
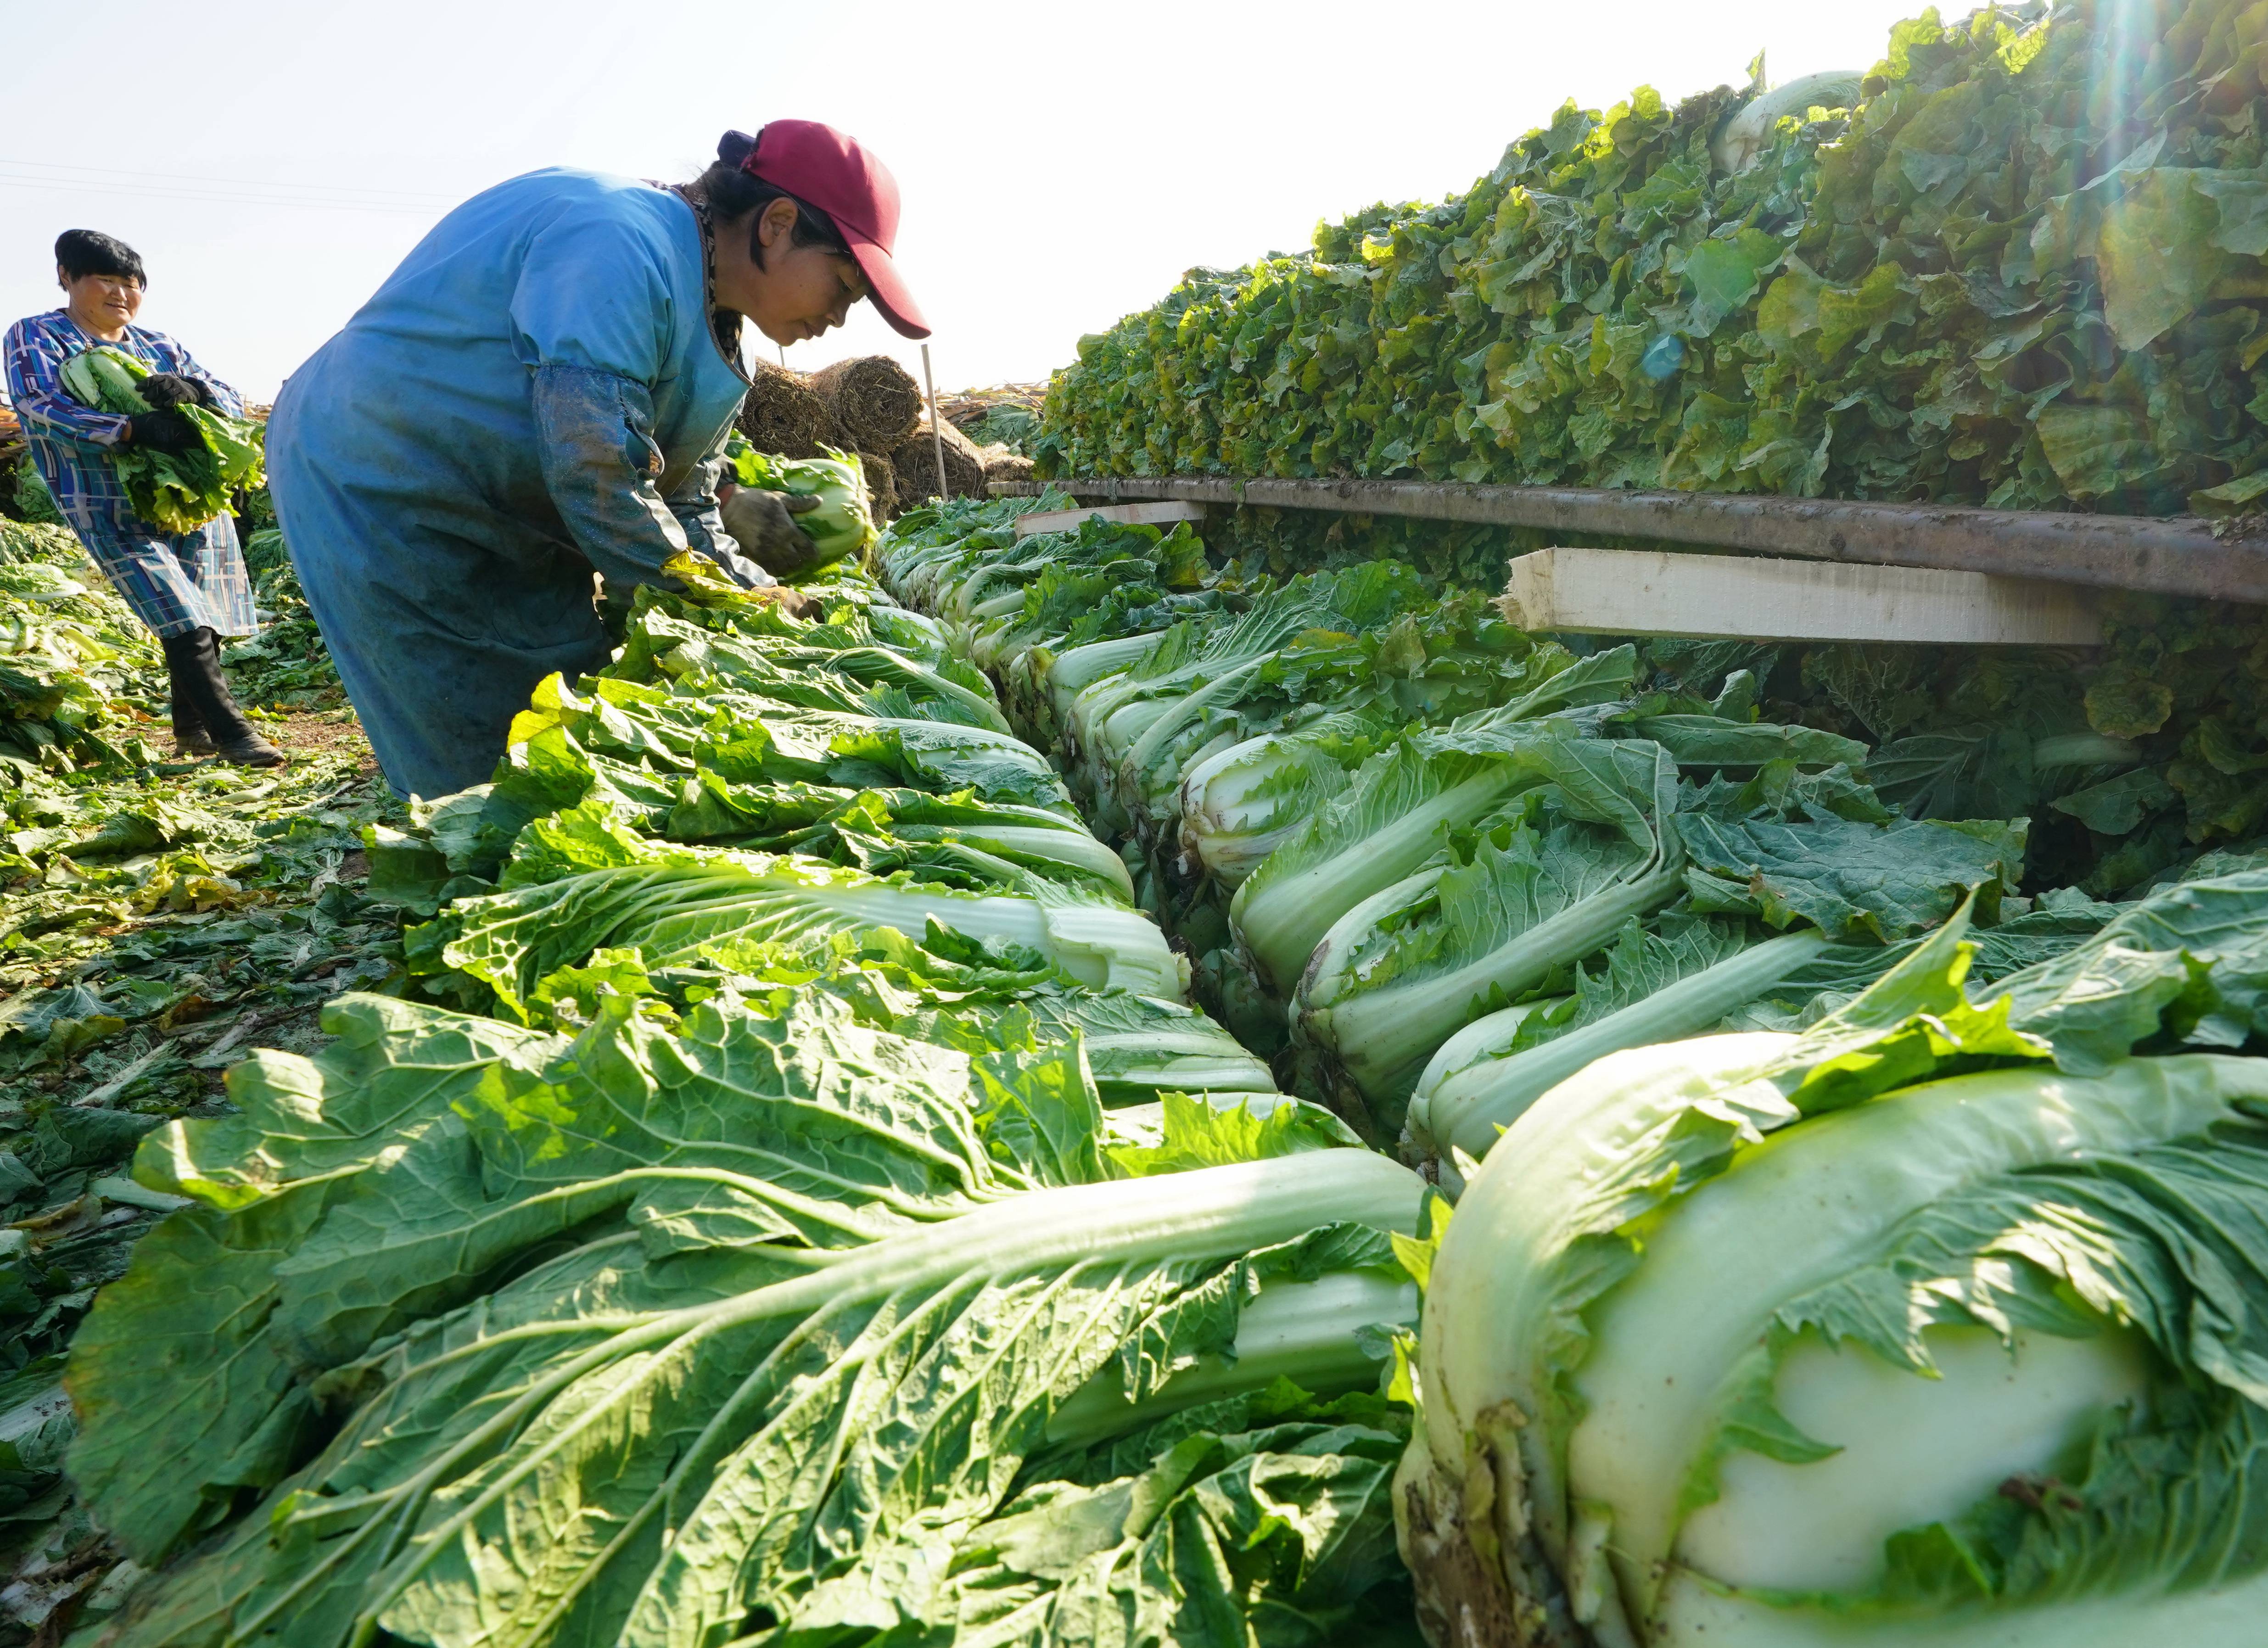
(167, 390)
(763, 525)
(749, 575)
(167, 429)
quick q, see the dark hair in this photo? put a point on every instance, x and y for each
(732, 194)
(81, 252)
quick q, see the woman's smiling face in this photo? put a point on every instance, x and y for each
(102, 303)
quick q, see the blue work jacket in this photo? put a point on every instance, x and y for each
(537, 394)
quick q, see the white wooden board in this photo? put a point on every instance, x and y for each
(1646, 591)
(1127, 514)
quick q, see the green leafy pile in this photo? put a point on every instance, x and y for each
(76, 664)
(2024, 269)
(2020, 271)
(821, 1326)
(31, 501)
(154, 927)
(1406, 841)
(285, 667)
(176, 492)
(2127, 763)
(157, 921)
(1934, 1322)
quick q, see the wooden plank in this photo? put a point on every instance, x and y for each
(2168, 555)
(1151, 514)
(1649, 592)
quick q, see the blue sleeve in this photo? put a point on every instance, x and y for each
(599, 465)
(594, 291)
(694, 506)
(35, 385)
(591, 317)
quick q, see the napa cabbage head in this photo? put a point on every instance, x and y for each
(840, 527)
(789, 1306)
(1681, 976)
(582, 881)
(1935, 1324)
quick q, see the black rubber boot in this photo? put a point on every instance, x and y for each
(194, 661)
(190, 737)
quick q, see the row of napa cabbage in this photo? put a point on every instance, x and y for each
(1923, 1302)
(1435, 864)
(2022, 264)
(793, 1201)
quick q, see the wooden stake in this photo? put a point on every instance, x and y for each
(936, 426)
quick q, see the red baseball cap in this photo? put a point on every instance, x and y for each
(827, 169)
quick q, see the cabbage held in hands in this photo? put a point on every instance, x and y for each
(840, 526)
(176, 492)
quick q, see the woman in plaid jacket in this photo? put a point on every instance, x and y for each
(191, 588)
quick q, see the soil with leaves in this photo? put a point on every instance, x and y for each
(159, 919)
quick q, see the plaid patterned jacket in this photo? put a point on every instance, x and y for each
(175, 581)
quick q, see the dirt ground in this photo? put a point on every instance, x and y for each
(321, 732)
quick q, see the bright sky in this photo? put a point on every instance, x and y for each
(1061, 162)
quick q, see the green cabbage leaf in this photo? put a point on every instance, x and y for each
(782, 1302)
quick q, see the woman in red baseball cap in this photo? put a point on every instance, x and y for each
(541, 391)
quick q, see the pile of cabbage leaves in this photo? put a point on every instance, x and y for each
(1431, 864)
(1848, 1246)
(789, 1200)
(2020, 269)
(2024, 269)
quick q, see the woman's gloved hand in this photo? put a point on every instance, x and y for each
(167, 390)
(166, 430)
(763, 525)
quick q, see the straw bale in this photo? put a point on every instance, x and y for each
(1001, 463)
(915, 459)
(784, 416)
(875, 400)
(882, 486)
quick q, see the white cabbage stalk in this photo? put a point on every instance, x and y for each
(1383, 1036)
(1239, 804)
(1070, 673)
(1070, 847)
(1283, 911)
(1394, 816)
(1471, 1092)
(1188, 1061)
(1601, 1360)
(1310, 1333)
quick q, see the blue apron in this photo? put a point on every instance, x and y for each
(534, 396)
